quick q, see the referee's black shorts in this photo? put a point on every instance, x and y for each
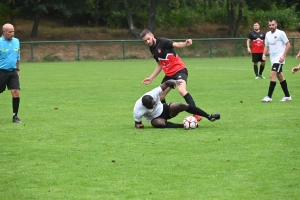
(9, 79)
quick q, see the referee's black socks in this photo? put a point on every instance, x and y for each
(15, 105)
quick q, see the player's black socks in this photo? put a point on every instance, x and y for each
(195, 110)
(261, 69)
(15, 105)
(285, 88)
(172, 125)
(189, 99)
(271, 88)
(255, 70)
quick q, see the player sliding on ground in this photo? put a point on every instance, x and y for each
(150, 107)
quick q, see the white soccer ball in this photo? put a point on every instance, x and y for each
(190, 122)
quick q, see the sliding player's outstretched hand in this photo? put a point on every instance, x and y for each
(295, 69)
(139, 126)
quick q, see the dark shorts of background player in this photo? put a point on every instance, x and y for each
(9, 79)
(166, 112)
(277, 67)
(257, 57)
(182, 74)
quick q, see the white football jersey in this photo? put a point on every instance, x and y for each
(277, 43)
(140, 111)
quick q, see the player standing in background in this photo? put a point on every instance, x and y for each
(295, 69)
(162, 50)
(278, 45)
(257, 38)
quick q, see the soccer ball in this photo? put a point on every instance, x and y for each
(190, 122)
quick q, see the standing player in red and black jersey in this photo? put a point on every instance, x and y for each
(162, 50)
(257, 37)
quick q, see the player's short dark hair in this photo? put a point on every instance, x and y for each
(256, 23)
(145, 32)
(147, 101)
(273, 19)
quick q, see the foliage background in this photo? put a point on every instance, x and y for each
(169, 13)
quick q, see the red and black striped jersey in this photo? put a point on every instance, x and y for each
(164, 53)
(257, 39)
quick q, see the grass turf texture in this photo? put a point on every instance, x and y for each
(77, 140)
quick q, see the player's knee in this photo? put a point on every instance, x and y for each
(159, 123)
(15, 93)
(280, 77)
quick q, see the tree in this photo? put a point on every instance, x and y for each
(135, 32)
(150, 21)
(5, 14)
(94, 10)
(235, 15)
(152, 15)
(37, 8)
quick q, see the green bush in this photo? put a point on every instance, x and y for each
(221, 53)
(88, 58)
(240, 49)
(5, 14)
(286, 17)
(51, 58)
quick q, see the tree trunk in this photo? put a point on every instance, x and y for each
(230, 16)
(35, 27)
(135, 32)
(152, 15)
(238, 21)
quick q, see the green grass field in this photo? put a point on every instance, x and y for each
(77, 138)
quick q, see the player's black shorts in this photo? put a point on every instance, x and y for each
(9, 79)
(277, 67)
(166, 112)
(257, 57)
(182, 74)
